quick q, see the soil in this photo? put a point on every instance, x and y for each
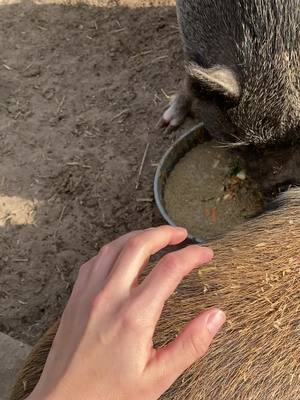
(82, 88)
(208, 192)
(81, 91)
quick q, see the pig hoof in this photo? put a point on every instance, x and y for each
(176, 113)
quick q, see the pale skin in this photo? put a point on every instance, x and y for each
(103, 348)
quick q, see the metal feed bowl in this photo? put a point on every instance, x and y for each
(194, 136)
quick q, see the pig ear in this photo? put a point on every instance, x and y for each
(216, 79)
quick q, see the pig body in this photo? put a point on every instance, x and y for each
(242, 61)
(255, 279)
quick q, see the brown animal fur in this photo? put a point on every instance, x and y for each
(255, 279)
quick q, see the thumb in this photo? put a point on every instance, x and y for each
(191, 344)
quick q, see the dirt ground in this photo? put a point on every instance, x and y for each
(81, 91)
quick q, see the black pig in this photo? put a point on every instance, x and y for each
(242, 67)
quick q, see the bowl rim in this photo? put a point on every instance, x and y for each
(158, 191)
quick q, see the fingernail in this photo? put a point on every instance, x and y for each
(214, 321)
(207, 253)
(180, 228)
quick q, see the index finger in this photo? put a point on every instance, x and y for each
(137, 251)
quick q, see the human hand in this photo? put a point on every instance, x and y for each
(103, 348)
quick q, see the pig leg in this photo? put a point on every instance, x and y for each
(179, 108)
